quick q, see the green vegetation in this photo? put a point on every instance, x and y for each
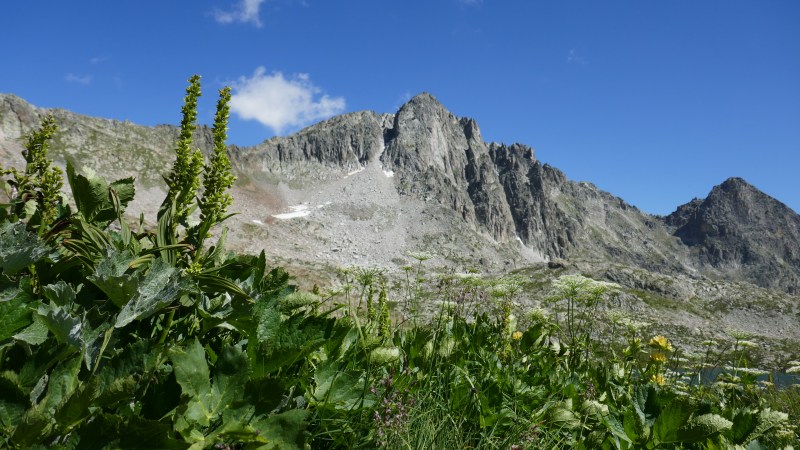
(112, 337)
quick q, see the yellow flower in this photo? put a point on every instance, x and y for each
(658, 357)
(658, 379)
(517, 335)
(661, 343)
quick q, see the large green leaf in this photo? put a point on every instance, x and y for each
(112, 277)
(35, 333)
(14, 313)
(702, 427)
(675, 413)
(10, 415)
(60, 293)
(19, 248)
(161, 286)
(92, 195)
(191, 372)
(65, 327)
(284, 431)
(339, 389)
(205, 402)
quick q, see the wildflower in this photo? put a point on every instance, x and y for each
(660, 342)
(517, 335)
(658, 379)
(537, 315)
(420, 256)
(658, 357)
(793, 369)
(739, 335)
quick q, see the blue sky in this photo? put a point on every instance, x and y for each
(653, 101)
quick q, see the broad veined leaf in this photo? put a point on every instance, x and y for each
(206, 402)
(675, 413)
(339, 389)
(38, 421)
(64, 326)
(94, 342)
(60, 293)
(34, 425)
(14, 312)
(112, 277)
(76, 407)
(62, 384)
(19, 248)
(192, 374)
(702, 427)
(10, 414)
(35, 333)
(92, 194)
(161, 286)
(284, 431)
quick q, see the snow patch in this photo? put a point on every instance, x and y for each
(360, 169)
(389, 173)
(297, 211)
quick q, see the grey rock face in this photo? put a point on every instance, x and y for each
(116, 148)
(743, 233)
(344, 142)
(501, 194)
(443, 158)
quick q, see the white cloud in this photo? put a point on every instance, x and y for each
(72, 78)
(279, 102)
(245, 11)
(575, 58)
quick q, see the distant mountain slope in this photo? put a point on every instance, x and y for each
(424, 178)
(110, 147)
(742, 233)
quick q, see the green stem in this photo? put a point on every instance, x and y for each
(167, 327)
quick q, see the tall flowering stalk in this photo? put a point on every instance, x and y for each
(217, 173)
(184, 180)
(41, 182)
(217, 176)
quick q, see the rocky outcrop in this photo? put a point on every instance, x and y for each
(742, 233)
(113, 147)
(487, 194)
(346, 142)
(441, 157)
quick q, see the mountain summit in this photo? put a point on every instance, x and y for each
(423, 178)
(740, 230)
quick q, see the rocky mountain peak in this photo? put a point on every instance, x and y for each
(740, 230)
